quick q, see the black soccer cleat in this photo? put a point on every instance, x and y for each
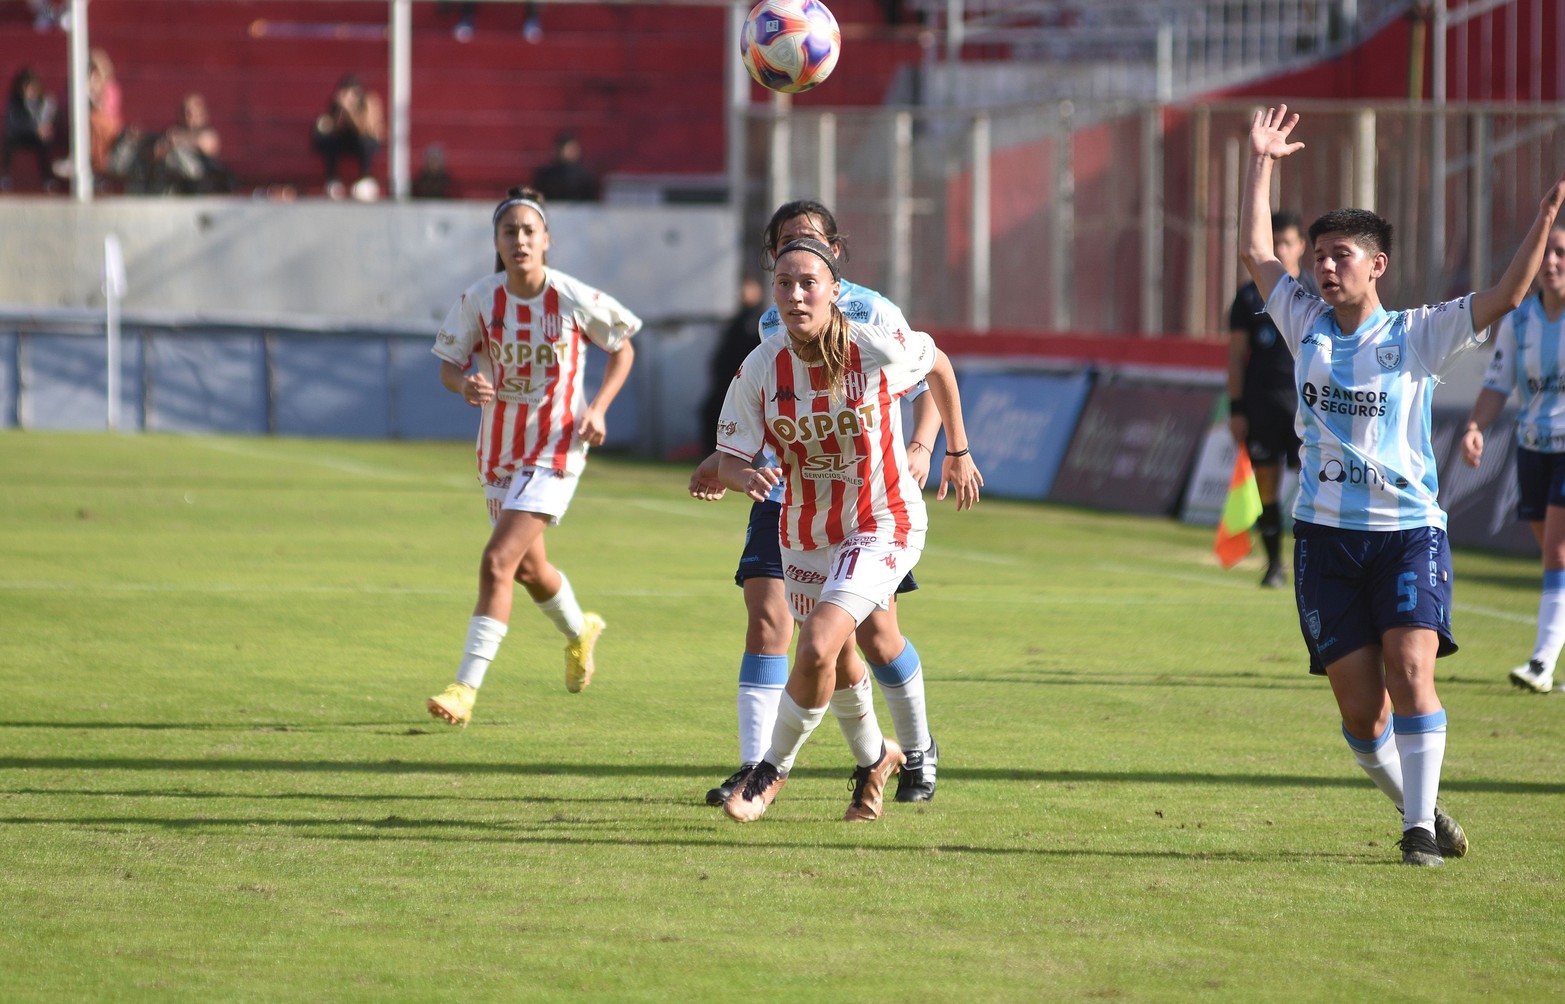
(719, 795)
(1419, 849)
(916, 783)
(1449, 837)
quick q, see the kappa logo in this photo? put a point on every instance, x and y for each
(1389, 356)
(854, 385)
(785, 394)
(890, 561)
(901, 338)
(805, 575)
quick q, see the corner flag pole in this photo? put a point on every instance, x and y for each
(113, 291)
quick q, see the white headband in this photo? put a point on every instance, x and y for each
(508, 203)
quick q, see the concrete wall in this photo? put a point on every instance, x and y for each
(350, 262)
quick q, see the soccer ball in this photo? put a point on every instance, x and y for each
(790, 45)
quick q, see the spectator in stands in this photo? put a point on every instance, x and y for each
(48, 14)
(111, 150)
(1529, 361)
(433, 180)
(353, 125)
(1262, 399)
(29, 125)
(467, 15)
(566, 178)
(185, 158)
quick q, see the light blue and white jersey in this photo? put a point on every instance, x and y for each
(857, 303)
(1364, 408)
(1529, 358)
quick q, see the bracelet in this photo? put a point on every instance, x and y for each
(1236, 406)
(916, 443)
(958, 453)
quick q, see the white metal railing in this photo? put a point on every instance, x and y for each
(1122, 217)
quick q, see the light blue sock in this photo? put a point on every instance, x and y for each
(1381, 761)
(902, 685)
(1421, 745)
(761, 680)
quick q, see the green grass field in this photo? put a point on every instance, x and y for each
(218, 780)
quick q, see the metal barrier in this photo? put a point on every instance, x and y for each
(1122, 216)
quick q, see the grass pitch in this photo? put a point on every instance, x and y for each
(218, 780)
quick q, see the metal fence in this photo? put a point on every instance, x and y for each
(1116, 217)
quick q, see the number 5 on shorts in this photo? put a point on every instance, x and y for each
(1407, 588)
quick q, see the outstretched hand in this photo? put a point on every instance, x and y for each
(962, 474)
(1269, 132)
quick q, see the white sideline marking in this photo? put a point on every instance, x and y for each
(343, 466)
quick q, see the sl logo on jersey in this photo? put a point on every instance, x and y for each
(1389, 356)
(832, 467)
(854, 384)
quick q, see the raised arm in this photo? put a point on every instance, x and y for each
(1269, 132)
(1489, 305)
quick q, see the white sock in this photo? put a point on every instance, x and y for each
(902, 685)
(1381, 760)
(792, 728)
(562, 610)
(484, 635)
(854, 708)
(1421, 744)
(1551, 620)
(761, 681)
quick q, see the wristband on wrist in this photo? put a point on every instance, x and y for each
(1236, 406)
(958, 453)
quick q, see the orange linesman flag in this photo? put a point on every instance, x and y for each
(1240, 512)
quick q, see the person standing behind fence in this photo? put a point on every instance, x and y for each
(1372, 565)
(29, 125)
(1529, 360)
(1262, 401)
(515, 345)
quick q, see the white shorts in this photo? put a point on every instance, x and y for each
(541, 490)
(859, 575)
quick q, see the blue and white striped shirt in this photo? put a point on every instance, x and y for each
(1364, 408)
(1529, 358)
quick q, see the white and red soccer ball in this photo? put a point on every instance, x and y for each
(790, 45)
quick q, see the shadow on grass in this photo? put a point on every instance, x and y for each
(393, 768)
(564, 830)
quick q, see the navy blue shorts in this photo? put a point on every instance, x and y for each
(1540, 483)
(1354, 585)
(762, 557)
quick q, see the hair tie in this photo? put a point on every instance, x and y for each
(519, 201)
(819, 249)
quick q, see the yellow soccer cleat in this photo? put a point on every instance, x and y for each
(454, 704)
(578, 654)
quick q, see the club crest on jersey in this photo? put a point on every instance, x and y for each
(854, 384)
(549, 326)
(1389, 356)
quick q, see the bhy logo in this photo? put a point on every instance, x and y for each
(1355, 473)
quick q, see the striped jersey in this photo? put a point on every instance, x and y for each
(857, 303)
(1366, 462)
(1529, 357)
(844, 464)
(534, 353)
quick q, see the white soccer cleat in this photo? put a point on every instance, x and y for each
(1534, 676)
